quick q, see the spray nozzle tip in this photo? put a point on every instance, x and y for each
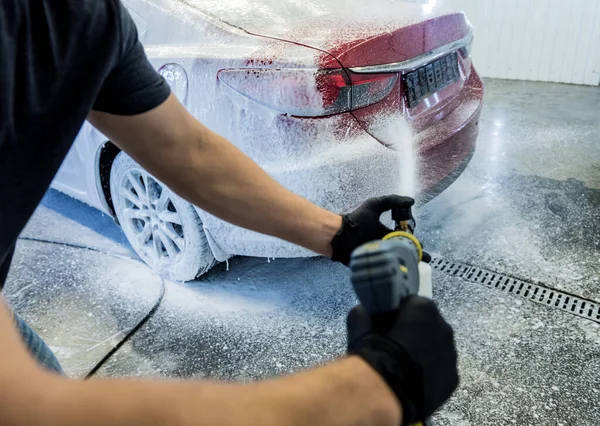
(403, 218)
(400, 214)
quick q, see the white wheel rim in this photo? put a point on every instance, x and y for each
(151, 217)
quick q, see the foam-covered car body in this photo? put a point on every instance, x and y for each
(316, 92)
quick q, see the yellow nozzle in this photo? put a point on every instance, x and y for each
(402, 234)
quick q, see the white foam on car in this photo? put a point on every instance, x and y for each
(342, 158)
(332, 161)
(335, 20)
(275, 88)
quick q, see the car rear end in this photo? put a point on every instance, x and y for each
(436, 91)
(383, 78)
(321, 108)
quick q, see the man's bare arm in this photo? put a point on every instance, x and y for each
(212, 173)
(347, 392)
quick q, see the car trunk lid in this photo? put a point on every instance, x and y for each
(433, 63)
(403, 43)
(333, 26)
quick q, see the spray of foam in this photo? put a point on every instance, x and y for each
(398, 135)
(408, 161)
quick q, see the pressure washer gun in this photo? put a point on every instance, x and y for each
(384, 272)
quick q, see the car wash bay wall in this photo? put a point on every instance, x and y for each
(540, 40)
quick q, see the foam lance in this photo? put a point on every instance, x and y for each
(386, 271)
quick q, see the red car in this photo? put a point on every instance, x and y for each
(328, 97)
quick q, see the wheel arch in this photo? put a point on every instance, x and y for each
(105, 156)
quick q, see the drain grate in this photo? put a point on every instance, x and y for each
(537, 293)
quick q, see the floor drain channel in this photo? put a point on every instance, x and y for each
(575, 305)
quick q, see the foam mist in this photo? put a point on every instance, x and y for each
(402, 140)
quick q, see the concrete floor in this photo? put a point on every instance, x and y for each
(528, 205)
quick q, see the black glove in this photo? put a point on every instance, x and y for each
(363, 225)
(412, 349)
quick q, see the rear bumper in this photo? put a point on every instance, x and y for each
(443, 159)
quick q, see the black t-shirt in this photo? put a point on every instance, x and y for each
(60, 59)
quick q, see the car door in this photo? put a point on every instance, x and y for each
(76, 176)
(70, 178)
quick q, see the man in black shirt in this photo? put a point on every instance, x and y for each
(65, 61)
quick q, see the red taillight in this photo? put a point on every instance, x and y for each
(308, 93)
(335, 91)
(368, 89)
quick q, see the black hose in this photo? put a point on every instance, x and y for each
(132, 330)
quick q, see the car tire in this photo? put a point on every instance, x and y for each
(163, 229)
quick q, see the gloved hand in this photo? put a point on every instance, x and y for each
(412, 349)
(363, 225)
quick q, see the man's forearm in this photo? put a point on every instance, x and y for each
(237, 190)
(345, 393)
(213, 174)
(342, 394)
